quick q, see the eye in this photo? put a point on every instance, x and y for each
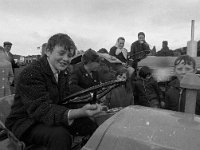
(70, 54)
(188, 69)
(62, 53)
(179, 69)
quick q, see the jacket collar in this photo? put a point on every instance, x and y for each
(45, 65)
(84, 71)
(175, 83)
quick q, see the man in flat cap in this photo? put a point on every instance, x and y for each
(7, 47)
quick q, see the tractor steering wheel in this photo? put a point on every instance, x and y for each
(93, 94)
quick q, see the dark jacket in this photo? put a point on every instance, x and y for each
(80, 79)
(120, 97)
(12, 61)
(120, 56)
(145, 91)
(137, 47)
(175, 97)
(165, 52)
(38, 98)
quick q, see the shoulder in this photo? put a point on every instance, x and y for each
(78, 67)
(113, 48)
(31, 71)
(135, 43)
(5, 64)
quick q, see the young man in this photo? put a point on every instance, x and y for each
(138, 46)
(85, 73)
(37, 116)
(175, 95)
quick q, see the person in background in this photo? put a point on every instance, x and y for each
(175, 95)
(37, 115)
(85, 74)
(139, 46)
(6, 74)
(165, 51)
(146, 90)
(121, 96)
(7, 47)
(103, 50)
(119, 51)
(44, 49)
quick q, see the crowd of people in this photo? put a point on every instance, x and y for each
(37, 114)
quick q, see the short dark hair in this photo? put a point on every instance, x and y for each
(141, 33)
(103, 50)
(6, 43)
(144, 72)
(90, 56)
(61, 39)
(165, 42)
(186, 59)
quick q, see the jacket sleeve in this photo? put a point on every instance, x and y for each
(112, 51)
(36, 98)
(197, 111)
(74, 82)
(10, 74)
(133, 51)
(146, 45)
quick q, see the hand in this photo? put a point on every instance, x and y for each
(91, 109)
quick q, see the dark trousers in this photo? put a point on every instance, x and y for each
(58, 137)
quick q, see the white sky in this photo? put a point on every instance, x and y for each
(97, 23)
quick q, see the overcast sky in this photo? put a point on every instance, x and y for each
(97, 23)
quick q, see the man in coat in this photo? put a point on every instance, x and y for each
(7, 47)
(37, 115)
(139, 46)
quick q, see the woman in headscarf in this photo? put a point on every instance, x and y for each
(6, 74)
(119, 51)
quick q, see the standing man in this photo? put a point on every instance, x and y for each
(165, 51)
(7, 47)
(139, 46)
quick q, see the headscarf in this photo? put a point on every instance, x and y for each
(120, 50)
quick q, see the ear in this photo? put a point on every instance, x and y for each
(48, 52)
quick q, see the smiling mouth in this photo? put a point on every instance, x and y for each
(64, 64)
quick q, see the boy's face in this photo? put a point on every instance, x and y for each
(122, 77)
(181, 69)
(141, 38)
(59, 58)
